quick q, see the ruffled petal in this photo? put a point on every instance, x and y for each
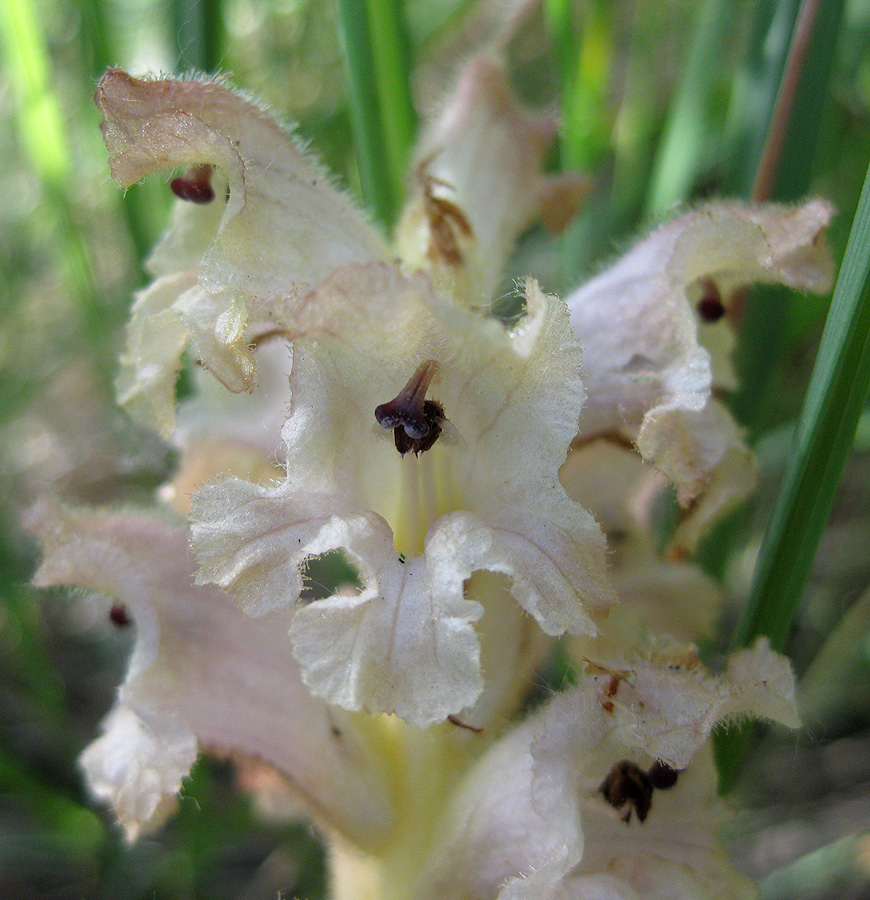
(660, 842)
(547, 556)
(478, 184)
(274, 226)
(204, 675)
(650, 380)
(156, 338)
(665, 705)
(415, 526)
(658, 593)
(404, 644)
(138, 766)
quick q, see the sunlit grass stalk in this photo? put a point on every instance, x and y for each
(836, 395)
(379, 89)
(42, 134)
(687, 129)
(585, 52)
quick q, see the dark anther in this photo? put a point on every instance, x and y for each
(627, 783)
(710, 307)
(414, 420)
(195, 186)
(118, 615)
(662, 776)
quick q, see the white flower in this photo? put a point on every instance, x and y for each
(542, 814)
(441, 812)
(400, 426)
(204, 676)
(651, 379)
(415, 525)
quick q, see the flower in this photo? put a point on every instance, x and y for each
(416, 515)
(652, 381)
(202, 675)
(399, 426)
(438, 812)
(533, 817)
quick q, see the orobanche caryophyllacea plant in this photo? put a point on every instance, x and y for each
(358, 405)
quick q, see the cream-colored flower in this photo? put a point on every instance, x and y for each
(415, 525)
(423, 439)
(399, 426)
(646, 323)
(610, 791)
(204, 676)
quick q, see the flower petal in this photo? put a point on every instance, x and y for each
(204, 675)
(668, 596)
(137, 767)
(275, 227)
(479, 184)
(404, 644)
(548, 556)
(650, 380)
(488, 500)
(674, 854)
(492, 830)
(659, 708)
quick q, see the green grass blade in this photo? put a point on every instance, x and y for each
(682, 145)
(197, 27)
(756, 89)
(585, 52)
(836, 395)
(835, 398)
(384, 122)
(42, 134)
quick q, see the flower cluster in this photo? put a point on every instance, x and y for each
(370, 417)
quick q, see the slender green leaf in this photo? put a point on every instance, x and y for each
(197, 27)
(756, 89)
(835, 398)
(681, 151)
(377, 55)
(42, 134)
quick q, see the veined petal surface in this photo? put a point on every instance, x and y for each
(485, 496)
(203, 675)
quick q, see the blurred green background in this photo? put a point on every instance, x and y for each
(662, 103)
